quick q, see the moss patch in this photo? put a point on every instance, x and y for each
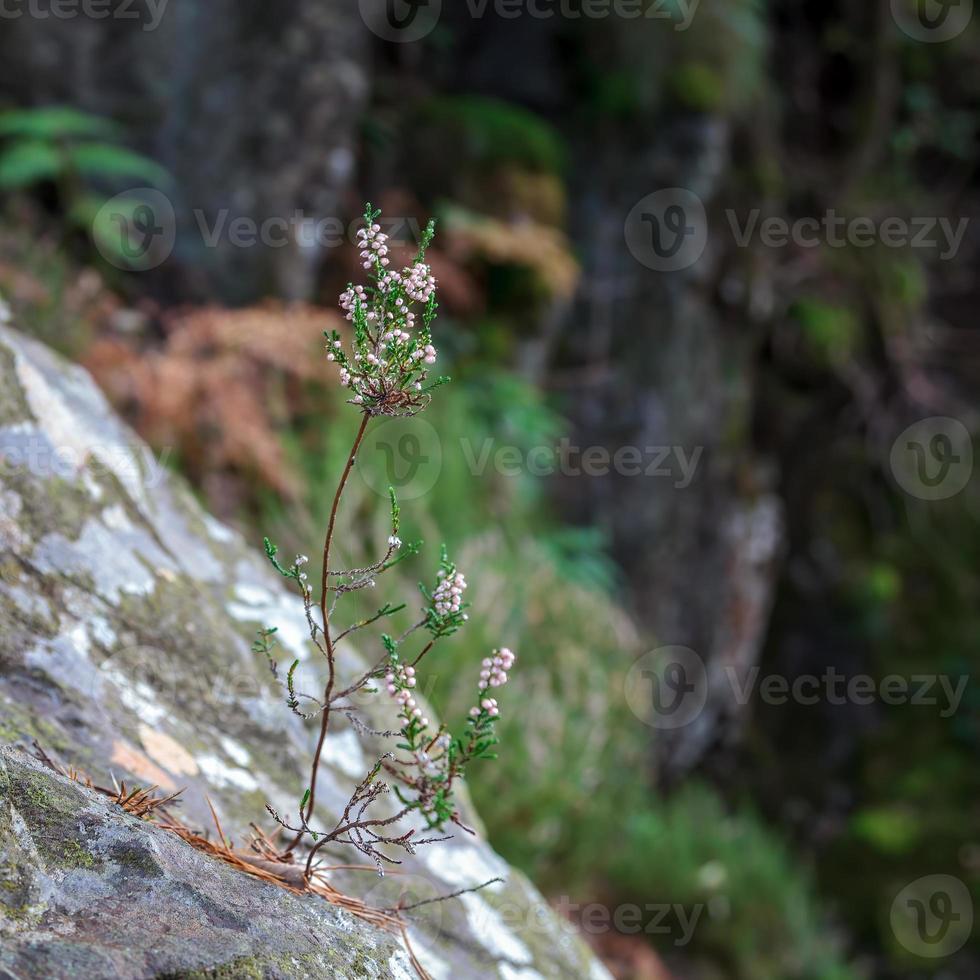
(50, 504)
(17, 890)
(19, 721)
(244, 968)
(358, 964)
(137, 857)
(54, 819)
(13, 402)
(73, 855)
(20, 629)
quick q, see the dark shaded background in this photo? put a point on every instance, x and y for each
(801, 542)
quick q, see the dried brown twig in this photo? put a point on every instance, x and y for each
(263, 860)
(139, 802)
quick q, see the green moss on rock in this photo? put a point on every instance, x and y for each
(73, 855)
(51, 812)
(136, 856)
(21, 722)
(13, 402)
(243, 968)
(50, 504)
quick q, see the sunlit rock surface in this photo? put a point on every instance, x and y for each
(126, 618)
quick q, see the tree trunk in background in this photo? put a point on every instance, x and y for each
(701, 556)
(196, 91)
(649, 359)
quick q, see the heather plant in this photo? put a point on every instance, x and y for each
(385, 369)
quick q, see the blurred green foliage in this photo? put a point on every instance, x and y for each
(760, 914)
(488, 132)
(893, 583)
(574, 753)
(833, 332)
(79, 155)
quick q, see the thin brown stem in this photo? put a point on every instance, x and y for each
(337, 834)
(425, 650)
(325, 613)
(444, 898)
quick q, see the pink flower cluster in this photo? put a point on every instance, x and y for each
(493, 674)
(349, 299)
(489, 705)
(448, 596)
(392, 352)
(373, 242)
(399, 682)
(419, 282)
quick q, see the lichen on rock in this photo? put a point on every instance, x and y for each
(87, 890)
(126, 615)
